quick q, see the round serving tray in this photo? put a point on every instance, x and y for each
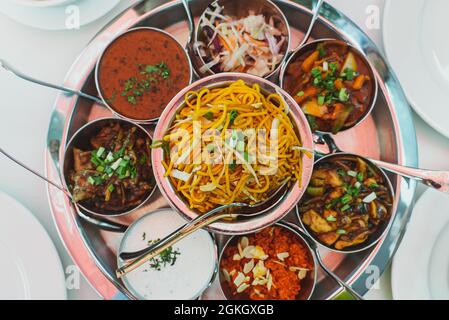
(388, 134)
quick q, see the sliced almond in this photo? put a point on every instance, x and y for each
(239, 247)
(248, 252)
(297, 269)
(282, 256)
(258, 253)
(236, 257)
(244, 242)
(270, 282)
(242, 287)
(259, 281)
(226, 275)
(239, 279)
(248, 266)
(280, 263)
(302, 274)
(232, 272)
(259, 270)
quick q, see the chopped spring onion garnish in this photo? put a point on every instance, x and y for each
(352, 173)
(370, 198)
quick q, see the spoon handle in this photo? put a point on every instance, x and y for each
(98, 222)
(174, 234)
(316, 14)
(120, 272)
(190, 21)
(5, 65)
(436, 179)
(35, 172)
(335, 278)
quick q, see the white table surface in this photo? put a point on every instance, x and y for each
(25, 112)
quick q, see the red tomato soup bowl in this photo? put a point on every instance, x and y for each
(140, 71)
(295, 191)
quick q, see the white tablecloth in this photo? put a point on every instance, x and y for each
(25, 112)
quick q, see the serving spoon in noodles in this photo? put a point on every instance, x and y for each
(219, 213)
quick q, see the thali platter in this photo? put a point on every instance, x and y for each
(387, 134)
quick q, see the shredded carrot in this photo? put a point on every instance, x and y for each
(359, 81)
(308, 92)
(307, 65)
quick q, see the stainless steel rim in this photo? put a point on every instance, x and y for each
(73, 139)
(97, 71)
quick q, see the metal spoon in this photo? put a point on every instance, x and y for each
(314, 247)
(316, 14)
(438, 180)
(256, 208)
(5, 65)
(201, 222)
(98, 222)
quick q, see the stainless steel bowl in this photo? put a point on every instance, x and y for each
(240, 9)
(381, 231)
(307, 284)
(312, 46)
(97, 71)
(250, 225)
(155, 229)
(81, 140)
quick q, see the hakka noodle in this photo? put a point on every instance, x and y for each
(222, 165)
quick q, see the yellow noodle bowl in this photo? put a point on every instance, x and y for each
(231, 144)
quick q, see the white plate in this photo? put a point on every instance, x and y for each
(30, 268)
(421, 265)
(54, 18)
(417, 46)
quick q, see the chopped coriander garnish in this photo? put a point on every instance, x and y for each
(345, 208)
(233, 114)
(360, 176)
(300, 93)
(166, 257)
(346, 199)
(331, 218)
(343, 95)
(321, 50)
(132, 99)
(341, 231)
(209, 116)
(321, 100)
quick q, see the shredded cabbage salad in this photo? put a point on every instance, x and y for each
(253, 44)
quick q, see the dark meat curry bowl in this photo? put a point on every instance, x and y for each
(107, 167)
(349, 204)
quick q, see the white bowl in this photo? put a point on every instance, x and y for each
(41, 3)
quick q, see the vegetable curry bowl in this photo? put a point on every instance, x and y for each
(140, 71)
(333, 83)
(349, 203)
